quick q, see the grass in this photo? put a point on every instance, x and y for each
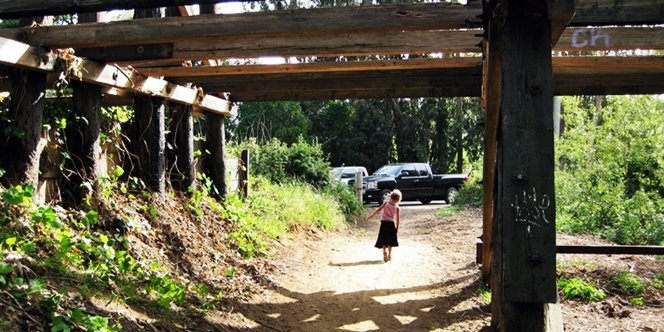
(449, 211)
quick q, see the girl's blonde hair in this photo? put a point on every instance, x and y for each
(395, 195)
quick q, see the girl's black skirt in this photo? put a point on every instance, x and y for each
(387, 235)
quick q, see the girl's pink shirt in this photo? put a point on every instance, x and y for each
(389, 212)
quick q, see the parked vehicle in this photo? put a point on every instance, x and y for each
(347, 173)
(415, 181)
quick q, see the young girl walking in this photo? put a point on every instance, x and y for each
(389, 224)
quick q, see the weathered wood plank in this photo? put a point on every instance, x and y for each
(21, 55)
(610, 250)
(618, 12)
(23, 8)
(303, 22)
(316, 67)
(333, 44)
(560, 14)
(611, 38)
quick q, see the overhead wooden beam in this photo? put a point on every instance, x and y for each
(21, 55)
(560, 14)
(576, 39)
(315, 67)
(27, 8)
(301, 22)
(618, 12)
(333, 44)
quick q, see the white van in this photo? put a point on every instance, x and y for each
(347, 173)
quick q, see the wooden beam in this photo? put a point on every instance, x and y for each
(560, 14)
(315, 67)
(333, 44)
(610, 250)
(21, 55)
(301, 22)
(26, 8)
(576, 39)
(618, 12)
(129, 52)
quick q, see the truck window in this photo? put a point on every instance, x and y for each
(409, 170)
(422, 170)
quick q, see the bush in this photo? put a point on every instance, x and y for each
(575, 288)
(281, 163)
(470, 195)
(346, 196)
(610, 171)
(628, 283)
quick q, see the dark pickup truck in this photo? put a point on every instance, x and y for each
(415, 181)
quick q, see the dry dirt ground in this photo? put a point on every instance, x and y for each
(338, 281)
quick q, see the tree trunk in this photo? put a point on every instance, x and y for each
(459, 134)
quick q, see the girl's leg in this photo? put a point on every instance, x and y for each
(389, 253)
(385, 255)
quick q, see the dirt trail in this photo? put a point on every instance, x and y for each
(338, 281)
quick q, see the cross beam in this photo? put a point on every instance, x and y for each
(18, 54)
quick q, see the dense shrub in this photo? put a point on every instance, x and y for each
(610, 176)
(469, 195)
(281, 163)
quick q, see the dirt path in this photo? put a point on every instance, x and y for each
(338, 281)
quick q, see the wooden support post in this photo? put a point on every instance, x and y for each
(27, 109)
(216, 144)
(244, 173)
(22, 148)
(149, 141)
(83, 139)
(183, 172)
(523, 259)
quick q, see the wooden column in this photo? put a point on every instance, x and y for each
(523, 260)
(216, 137)
(216, 144)
(83, 139)
(150, 140)
(182, 170)
(22, 149)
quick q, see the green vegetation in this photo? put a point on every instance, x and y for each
(449, 211)
(576, 288)
(485, 294)
(79, 246)
(610, 178)
(628, 283)
(301, 166)
(470, 195)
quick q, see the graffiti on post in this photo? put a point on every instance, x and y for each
(531, 209)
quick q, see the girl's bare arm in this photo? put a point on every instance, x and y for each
(376, 211)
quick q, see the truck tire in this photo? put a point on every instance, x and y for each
(425, 201)
(384, 196)
(450, 196)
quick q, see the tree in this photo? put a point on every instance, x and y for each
(267, 120)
